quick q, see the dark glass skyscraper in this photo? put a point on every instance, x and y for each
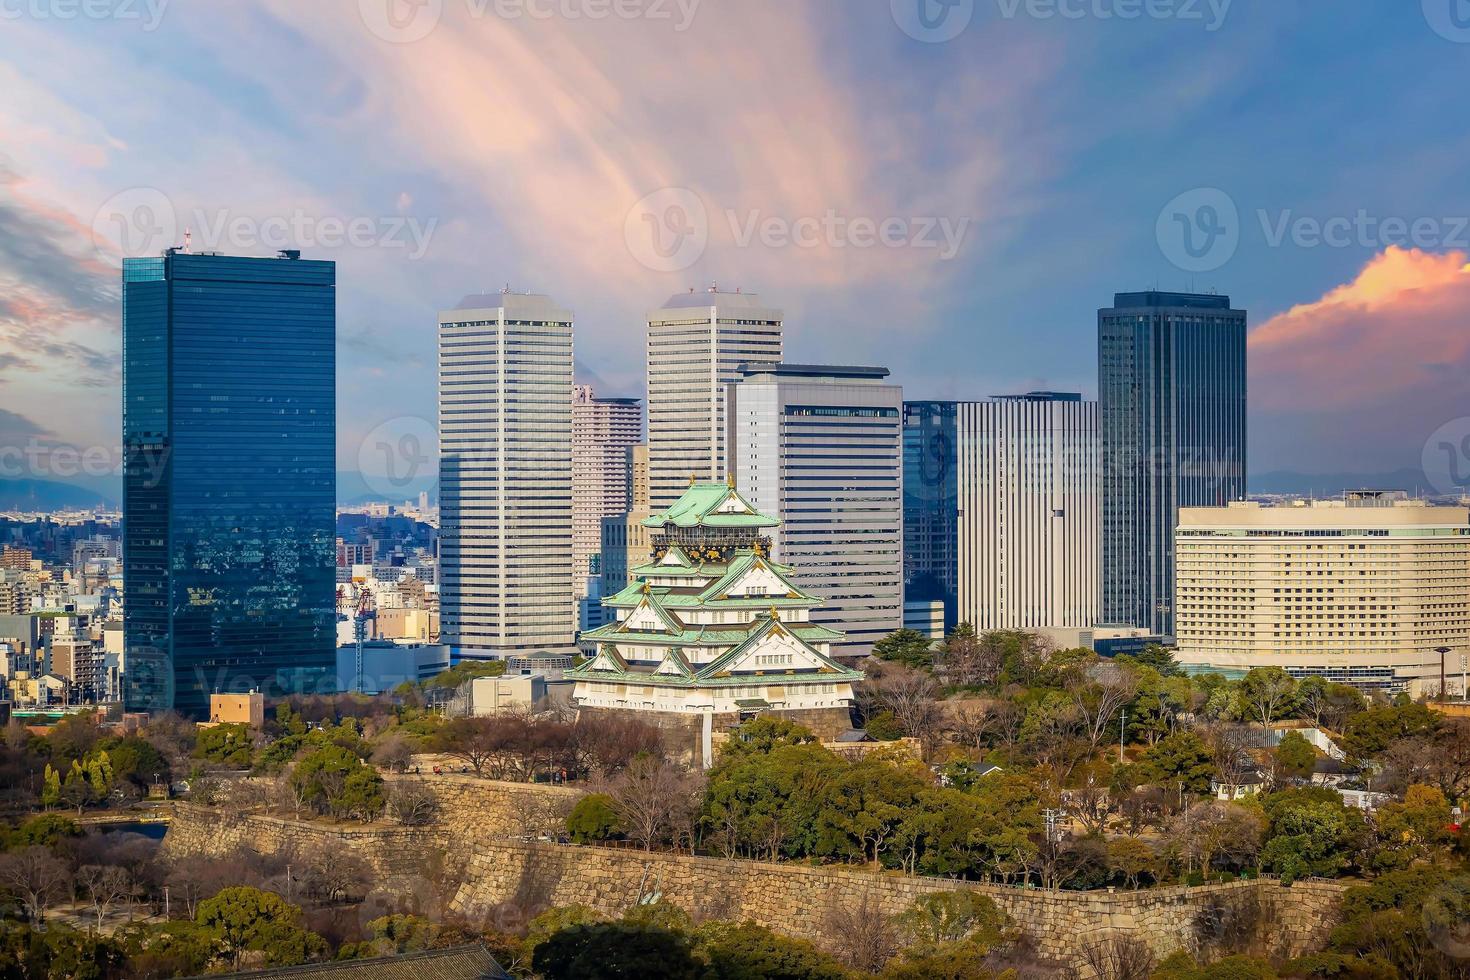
(229, 430)
(931, 505)
(1171, 388)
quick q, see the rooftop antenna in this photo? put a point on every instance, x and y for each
(505, 290)
(188, 239)
(714, 287)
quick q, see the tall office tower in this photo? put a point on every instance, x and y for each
(1171, 394)
(931, 512)
(505, 476)
(1028, 512)
(626, 542)
(229, 435)
(821, 449)
(696, 344)
(604, 432)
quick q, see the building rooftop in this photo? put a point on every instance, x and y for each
(529, 302)
(835, 371)
(1154, 299)
(714, 296)
(1041, 396)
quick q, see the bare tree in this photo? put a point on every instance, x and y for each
(1119, 956)
(1213, 832)
(37, 877)
(105, 885)
(911, 696)
(413, 804)
(860, 934)
(645, 796)
(1107, 690)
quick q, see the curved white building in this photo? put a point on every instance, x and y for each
(1372, 590)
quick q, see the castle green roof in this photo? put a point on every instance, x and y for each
(715, 505)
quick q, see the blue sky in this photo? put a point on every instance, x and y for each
(529, 142)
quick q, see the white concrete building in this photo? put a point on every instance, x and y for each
(505, 476)
(821, 449)
(1371, 590)
(696, 344)
(1028, 528)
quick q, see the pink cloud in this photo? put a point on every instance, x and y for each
(1400, 328)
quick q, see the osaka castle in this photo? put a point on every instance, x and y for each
(712, 632)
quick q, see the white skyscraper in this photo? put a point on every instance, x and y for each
(696, 344)
(1028, 512)
(604, 430)
(505, 475)
(821, 448)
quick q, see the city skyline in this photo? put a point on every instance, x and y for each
(1038, 178)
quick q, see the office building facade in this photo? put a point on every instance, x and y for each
(1372, 590)
(229, 433)
(1172, 403)
(931, 508)
(696, 345)
(505, 476)
(1028, 550)
(604, 431)
(821, 449)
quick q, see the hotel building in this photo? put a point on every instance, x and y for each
(1372, 590)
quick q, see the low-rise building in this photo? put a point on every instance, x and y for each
(509, 693)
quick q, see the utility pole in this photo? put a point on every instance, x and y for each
(1122, 733)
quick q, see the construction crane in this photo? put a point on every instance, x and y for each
(366, 610)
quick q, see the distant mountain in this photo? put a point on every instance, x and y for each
(1333, 484)
(51, 495)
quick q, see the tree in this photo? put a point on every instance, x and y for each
(933, 921)
(593, 819)
(1269, 693)
(1108, 689)
(105, 885)
(1213, 833)
(1180, 760)
(861, 934)
(905, 646)
(647, 797)
(615, 950)
(51, 788)
(413, 805)
(911, 696)
(35, 876)
(226, 745)
(968, 660)
(1130, 859)
(44, 830)
(1327, 705)
(474, 741)
(1294, 758)
(248, 919)
(752, 952)
(1370, 732)
(1309, 832)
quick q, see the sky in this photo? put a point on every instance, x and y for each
(949, 188)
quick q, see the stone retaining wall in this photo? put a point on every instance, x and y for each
(491, 874)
